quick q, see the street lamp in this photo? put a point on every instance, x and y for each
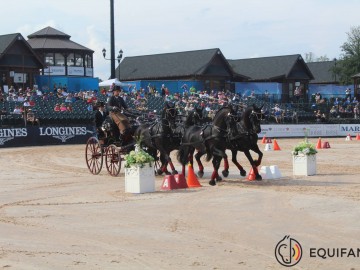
(119, 57)
(335, 71)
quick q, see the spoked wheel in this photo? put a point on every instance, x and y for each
(113, 160)
(93, 155)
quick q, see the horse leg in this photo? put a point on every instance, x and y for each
(164, 163)
(256, 149)
(253, 165)
(215, 175)
(234, 160)
(198, 156)
(225, 172)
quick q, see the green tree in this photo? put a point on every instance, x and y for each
(350, 58)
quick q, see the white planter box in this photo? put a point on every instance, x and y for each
(304, 165)
(140, 180)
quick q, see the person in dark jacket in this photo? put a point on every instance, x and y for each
(100, 116)
(116, 105)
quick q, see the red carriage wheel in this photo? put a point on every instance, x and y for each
(113, 160)
(93, 155)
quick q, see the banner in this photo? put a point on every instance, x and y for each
(38, 136)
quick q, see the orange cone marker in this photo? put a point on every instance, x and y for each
(318, 145)
(192, 180)
(251, 176)
(357, 137)
(263, 141)
(276, 146)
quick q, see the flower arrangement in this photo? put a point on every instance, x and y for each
(304, 148)
(137, 157)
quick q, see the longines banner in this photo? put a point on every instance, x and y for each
(315, 130)
(36, 136)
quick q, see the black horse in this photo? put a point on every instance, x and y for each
(160, 136)
(209, 139)
(243, 136)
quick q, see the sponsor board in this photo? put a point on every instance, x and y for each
(37, 136)
(315, 130)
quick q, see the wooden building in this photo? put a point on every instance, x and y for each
(18, 62)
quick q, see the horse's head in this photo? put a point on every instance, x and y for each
(254, 115)
(169, 113)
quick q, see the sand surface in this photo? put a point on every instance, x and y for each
(54, 214)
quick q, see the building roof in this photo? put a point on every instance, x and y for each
(50, 39)
(171, 65)
(322, 71)
(6, 41)
(271, 68)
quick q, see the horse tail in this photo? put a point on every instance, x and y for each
(182, 155)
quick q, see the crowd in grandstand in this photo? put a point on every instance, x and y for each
(141, 100)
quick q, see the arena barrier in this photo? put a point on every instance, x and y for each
(63, 135)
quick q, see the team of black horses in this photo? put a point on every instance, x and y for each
(234, 128)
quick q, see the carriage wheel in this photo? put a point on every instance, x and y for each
(93, 155)
(113, 160)
(157, 164)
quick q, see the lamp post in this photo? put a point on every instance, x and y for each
(335, 71)
(119, 57)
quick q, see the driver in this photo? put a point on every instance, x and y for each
(115, 106)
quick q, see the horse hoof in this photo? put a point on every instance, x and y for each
(242, 172)
(167, 173)
(159, 172)
(257, 163)
(174, 172)
(225, 173)
(218, 179)
(200, 174)
(212, 183)
(258, 177)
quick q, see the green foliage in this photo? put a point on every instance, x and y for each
(137, 157)
(350, 59)
(304, 148)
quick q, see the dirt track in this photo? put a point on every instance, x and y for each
(55, 215)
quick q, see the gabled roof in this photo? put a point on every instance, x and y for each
(50, 38)
(269, 68)
(6, 41)
(322, 71)
(170, 65)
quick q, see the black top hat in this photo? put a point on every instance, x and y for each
(100, 104)
(118, 88)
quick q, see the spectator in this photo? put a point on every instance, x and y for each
(347, 93)
(69, 108)
(31, 119)
(57, 107)
(278, 113)
(356, 111)
(63, 107)
(334, 112)
(17, 110)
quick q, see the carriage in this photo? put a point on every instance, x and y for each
(108, 147)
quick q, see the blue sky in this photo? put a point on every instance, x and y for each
(241, 29)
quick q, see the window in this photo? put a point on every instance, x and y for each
(49, 59)
(79, 60)
(59, 59)
(88, 61)
(70, 60)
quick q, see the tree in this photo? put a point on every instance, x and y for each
(350, 58)
(311, 57)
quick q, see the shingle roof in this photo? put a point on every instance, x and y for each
(49, 32)
(50, 38)
(179, 64)
(322, 71)
(6, 40)
(267, 68)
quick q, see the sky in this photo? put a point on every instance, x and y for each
(239, 28)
